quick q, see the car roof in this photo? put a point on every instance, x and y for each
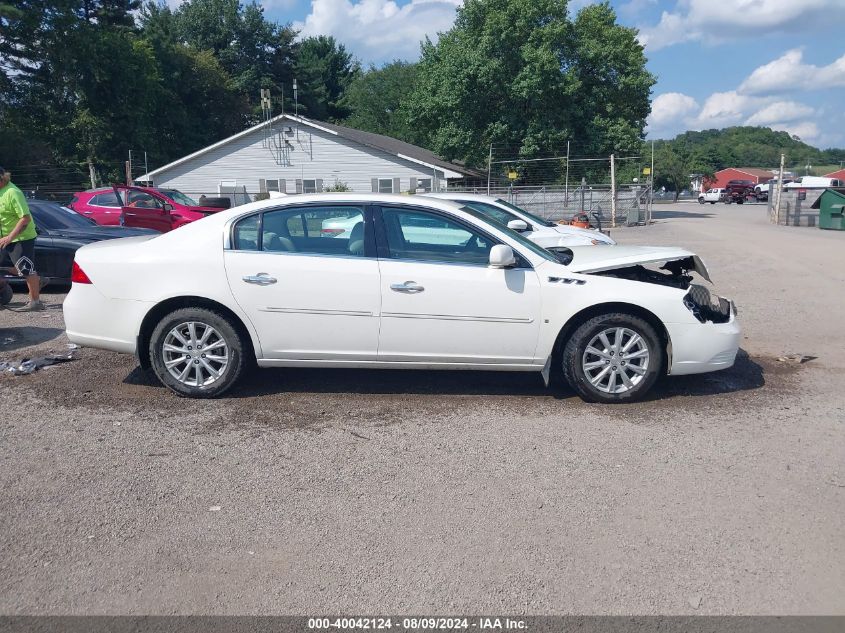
(460, 195)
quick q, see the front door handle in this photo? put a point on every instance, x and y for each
(261, 279)
(410, 287)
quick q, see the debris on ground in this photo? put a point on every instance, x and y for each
(795, 358)
(30, 365)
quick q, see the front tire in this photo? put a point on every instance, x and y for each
(701, 201)
(196, 352)
(613, 358)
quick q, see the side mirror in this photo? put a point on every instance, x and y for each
(501, 256)
(167, 207)
(518, 225)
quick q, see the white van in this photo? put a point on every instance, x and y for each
(814, 182)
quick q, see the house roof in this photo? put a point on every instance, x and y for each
(839, 173)
(752, 171)
(386, 144)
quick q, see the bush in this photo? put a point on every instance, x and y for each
(338, 187)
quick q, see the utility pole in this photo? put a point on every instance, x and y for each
(651, 191)
(612, 190)
(146, 168)
(489, 166)
(780, 189)
(92, 174)
(128, 173)
(566, 195)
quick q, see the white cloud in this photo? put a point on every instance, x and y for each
(807, 131)
(673, 112)
(722, 109)
(779, 112)
(715, 21)
(669, 111)
(379, 30)
(789, 73)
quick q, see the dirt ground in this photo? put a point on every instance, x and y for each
(341, 491)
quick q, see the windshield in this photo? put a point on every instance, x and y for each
(178, 196)
(531, 246)
(54, 216)
(531, 216)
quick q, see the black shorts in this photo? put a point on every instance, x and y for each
(22, 255)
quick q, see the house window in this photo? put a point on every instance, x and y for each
(385, 185)
(273, 185)
(309, 186)
(424, 184)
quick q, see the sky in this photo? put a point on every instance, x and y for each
(718, 63)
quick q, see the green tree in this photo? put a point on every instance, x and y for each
(523, 75)
(675, 163)
(376, 99)
(255, 52)
(324, 71)
(199, 103)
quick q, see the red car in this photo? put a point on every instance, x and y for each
(143, 207)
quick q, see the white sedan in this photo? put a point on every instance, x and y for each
(544, 232)
(260, 284)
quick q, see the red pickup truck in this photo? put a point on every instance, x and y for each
(739, 191)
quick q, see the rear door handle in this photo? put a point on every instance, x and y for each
(409, 287)
(261, 279)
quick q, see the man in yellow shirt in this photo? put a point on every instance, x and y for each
(17, 237)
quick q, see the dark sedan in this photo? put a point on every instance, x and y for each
(60, 232)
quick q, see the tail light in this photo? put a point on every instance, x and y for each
(78, 276)
(331, 232)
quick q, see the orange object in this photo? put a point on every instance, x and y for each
(580, 220)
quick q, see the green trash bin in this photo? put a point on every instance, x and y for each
(831, 205)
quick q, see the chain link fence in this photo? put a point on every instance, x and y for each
(561, 203)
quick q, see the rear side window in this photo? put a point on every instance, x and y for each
(324, 230)
(245, 235)
(104, 200)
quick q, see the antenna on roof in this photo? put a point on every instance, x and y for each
(266, 115)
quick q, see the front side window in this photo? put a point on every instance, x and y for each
(141, 200)
(324, 230)
(494, 213)
(426, 236)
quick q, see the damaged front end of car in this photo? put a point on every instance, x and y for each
(676, 271)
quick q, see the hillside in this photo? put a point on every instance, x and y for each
(753, 147)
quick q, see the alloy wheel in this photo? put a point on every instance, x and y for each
(195, 354)
(616, 360)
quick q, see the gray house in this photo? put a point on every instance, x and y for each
(290, 154)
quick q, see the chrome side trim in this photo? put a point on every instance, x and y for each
(316, 311)
(456, 317)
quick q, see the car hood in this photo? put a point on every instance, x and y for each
(587, 259)
(205, 209)
(96, 233)
(589, 234)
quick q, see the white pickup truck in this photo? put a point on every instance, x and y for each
(711, 195)
(762, 190)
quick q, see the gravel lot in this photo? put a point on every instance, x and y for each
(329, 491)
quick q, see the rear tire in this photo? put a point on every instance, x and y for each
(613, 358)
(196, 352)
(6, 293)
